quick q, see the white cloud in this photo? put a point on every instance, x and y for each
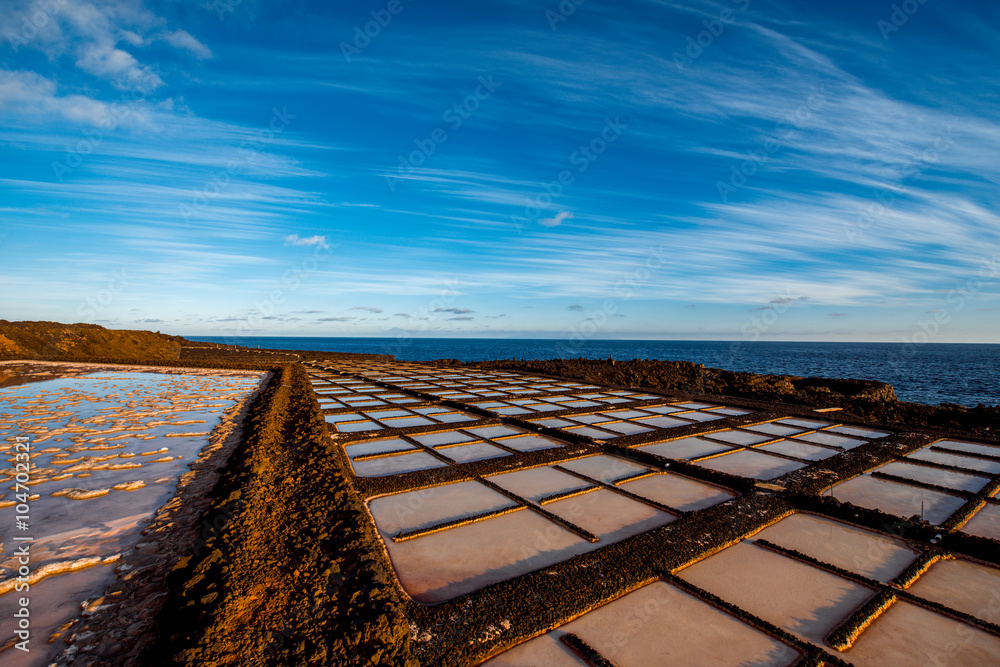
(182, 39)
(119, 67)
(319, 241)
(104, 38)
(30, 94)
(557, 220)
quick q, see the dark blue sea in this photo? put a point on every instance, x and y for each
(931, 373)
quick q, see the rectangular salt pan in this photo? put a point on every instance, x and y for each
(591, 419)
(360, 426)
(530, 443)
(940, 477)
(907, 634)
(604, 468)
(663, 422)
(592, 433)
(802, 599)
(537, 483)
(494, 431)
(967, 462)
(805, 423)
(799, 450)
(655, 625)
(827, 438)
(753, 464)
(686, 448)
(849, 547)
(626, 428)
(445, 438)
(433, 506)
(739, 437)
(973, 447)
(395, 465)
(681, 493)
(700, 416)
(772, 428)
(406, 422)
(963, 585)
(609, 515)
(866, 433)
(662, 409)
(985, 523)
(477, 452)
(446, 564)
(902, 500)
(377, 447)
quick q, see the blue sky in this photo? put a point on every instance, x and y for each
(735, 169)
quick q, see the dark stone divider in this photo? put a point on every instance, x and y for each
(293, 577)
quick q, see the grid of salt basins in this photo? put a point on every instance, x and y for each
(106, 450)
(952, 483)
(806, 575)
(805, 583)
(767, 450)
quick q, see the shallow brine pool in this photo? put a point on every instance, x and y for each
(104, 451)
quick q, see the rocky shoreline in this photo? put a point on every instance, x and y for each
(864, 399)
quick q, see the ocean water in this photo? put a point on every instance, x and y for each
(931, 373)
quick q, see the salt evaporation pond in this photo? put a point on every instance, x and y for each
(655, 625)
(856, 549)
(107, 450)
(806, 601)
(908, 634)
(899, 499)
(453, 539)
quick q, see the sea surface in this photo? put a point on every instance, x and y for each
(931, 373)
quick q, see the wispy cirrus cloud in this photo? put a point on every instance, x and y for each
(843, 121)
(556, 220)
(182, 39)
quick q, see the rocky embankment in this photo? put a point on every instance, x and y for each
(52, 341)
(865, 399)
(284, 571)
